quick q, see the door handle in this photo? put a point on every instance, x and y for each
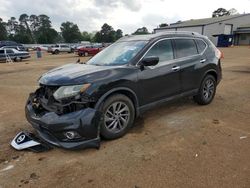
(203, 60)
(176, 68)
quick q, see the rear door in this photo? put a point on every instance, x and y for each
(163, 80)
(11, 53)
(190, 61)
(66, 48)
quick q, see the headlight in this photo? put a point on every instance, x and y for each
(69, 91)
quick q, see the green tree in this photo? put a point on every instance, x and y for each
(44, 32)
(34, 23)
(12, 26)
(107, 33)
(118, 34)
(141, 31)
(31, 29)
(22, 35)
(70, 32)
(24, 22)
(3, 31)
(86, 36)
(220, 12)
(97, 37)
(17, 31)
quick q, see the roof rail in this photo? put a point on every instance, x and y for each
(180, 32)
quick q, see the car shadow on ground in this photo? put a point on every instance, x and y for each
(168, 107)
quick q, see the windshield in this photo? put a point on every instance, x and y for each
(119, 53)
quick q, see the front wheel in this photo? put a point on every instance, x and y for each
(119, 114)
(207, 91)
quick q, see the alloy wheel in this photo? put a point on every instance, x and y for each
(208, 89)
(117, 117)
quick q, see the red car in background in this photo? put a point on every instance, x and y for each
(89, 50)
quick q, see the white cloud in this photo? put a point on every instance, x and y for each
(127, 15)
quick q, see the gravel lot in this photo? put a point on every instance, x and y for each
(179, 144)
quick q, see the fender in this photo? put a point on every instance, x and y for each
(210, 70)
(104, 96)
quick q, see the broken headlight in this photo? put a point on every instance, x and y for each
(70, 91)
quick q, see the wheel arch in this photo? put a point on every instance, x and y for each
(211, 72)
(121, 90)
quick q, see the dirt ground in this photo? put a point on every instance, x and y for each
(180, 144)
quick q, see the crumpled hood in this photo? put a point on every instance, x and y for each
(72, 74)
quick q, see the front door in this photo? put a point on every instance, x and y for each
(163, 80)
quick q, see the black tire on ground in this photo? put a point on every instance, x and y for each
(86, 54)
(206, 91)
(119, 115)
(17, 59)
(56, 51)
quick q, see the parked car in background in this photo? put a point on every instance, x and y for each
(60, 48)
(12, 44)
(132, 75)
(13, 54)
(19, 48)
(42, 47)
(89, 50)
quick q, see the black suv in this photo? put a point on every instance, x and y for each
(76, 103)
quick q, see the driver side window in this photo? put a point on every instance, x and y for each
(162, 49)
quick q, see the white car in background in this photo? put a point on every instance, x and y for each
(56, 49)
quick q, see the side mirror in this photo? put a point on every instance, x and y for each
(150, 61)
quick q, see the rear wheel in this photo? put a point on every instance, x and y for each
(86, 54)
(119, 114)
(17, 59)
(56, 51)
(207, 91)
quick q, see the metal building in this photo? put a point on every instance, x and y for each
(222, 31)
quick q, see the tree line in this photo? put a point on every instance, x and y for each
(30, 29)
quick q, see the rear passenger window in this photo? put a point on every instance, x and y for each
(163, 50)
(201, 45)
(185, 48)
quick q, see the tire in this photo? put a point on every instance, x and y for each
(17, 59)
(115, 124)
(206, 91)
(56, 51)
(86, 54)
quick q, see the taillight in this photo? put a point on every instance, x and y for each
(219, 54)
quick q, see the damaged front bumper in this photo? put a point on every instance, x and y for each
(74, 130)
